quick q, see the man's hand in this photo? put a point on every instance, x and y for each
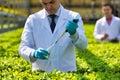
(71, 27)
(41, 54)
(105, 36)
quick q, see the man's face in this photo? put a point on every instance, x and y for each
(51, 6)
(107, 11)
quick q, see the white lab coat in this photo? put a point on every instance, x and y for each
(37, 34)
(102, 27)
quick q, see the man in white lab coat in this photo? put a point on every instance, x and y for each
(108, 27)
(38, 35)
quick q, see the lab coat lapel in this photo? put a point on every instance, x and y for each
(45, 21)
(105, 22)
(62, 20)
(113, 21)
(60, 26)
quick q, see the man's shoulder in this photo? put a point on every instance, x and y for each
(38, 13)
(72, 13)
(101, 19)
(116, 18)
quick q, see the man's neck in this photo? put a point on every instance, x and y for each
(109, 17)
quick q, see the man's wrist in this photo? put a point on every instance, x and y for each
(32, 53)
(74, 37)
(32, 58)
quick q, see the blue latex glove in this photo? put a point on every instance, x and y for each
(41, 54)
(71, 27)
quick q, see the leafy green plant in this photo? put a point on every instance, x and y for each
(100, 61)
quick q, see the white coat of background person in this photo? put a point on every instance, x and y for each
(37, 34)
(108, 27)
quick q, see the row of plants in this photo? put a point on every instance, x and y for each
(100, 61)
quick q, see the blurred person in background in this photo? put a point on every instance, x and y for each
(43, 28)
(108, 27)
